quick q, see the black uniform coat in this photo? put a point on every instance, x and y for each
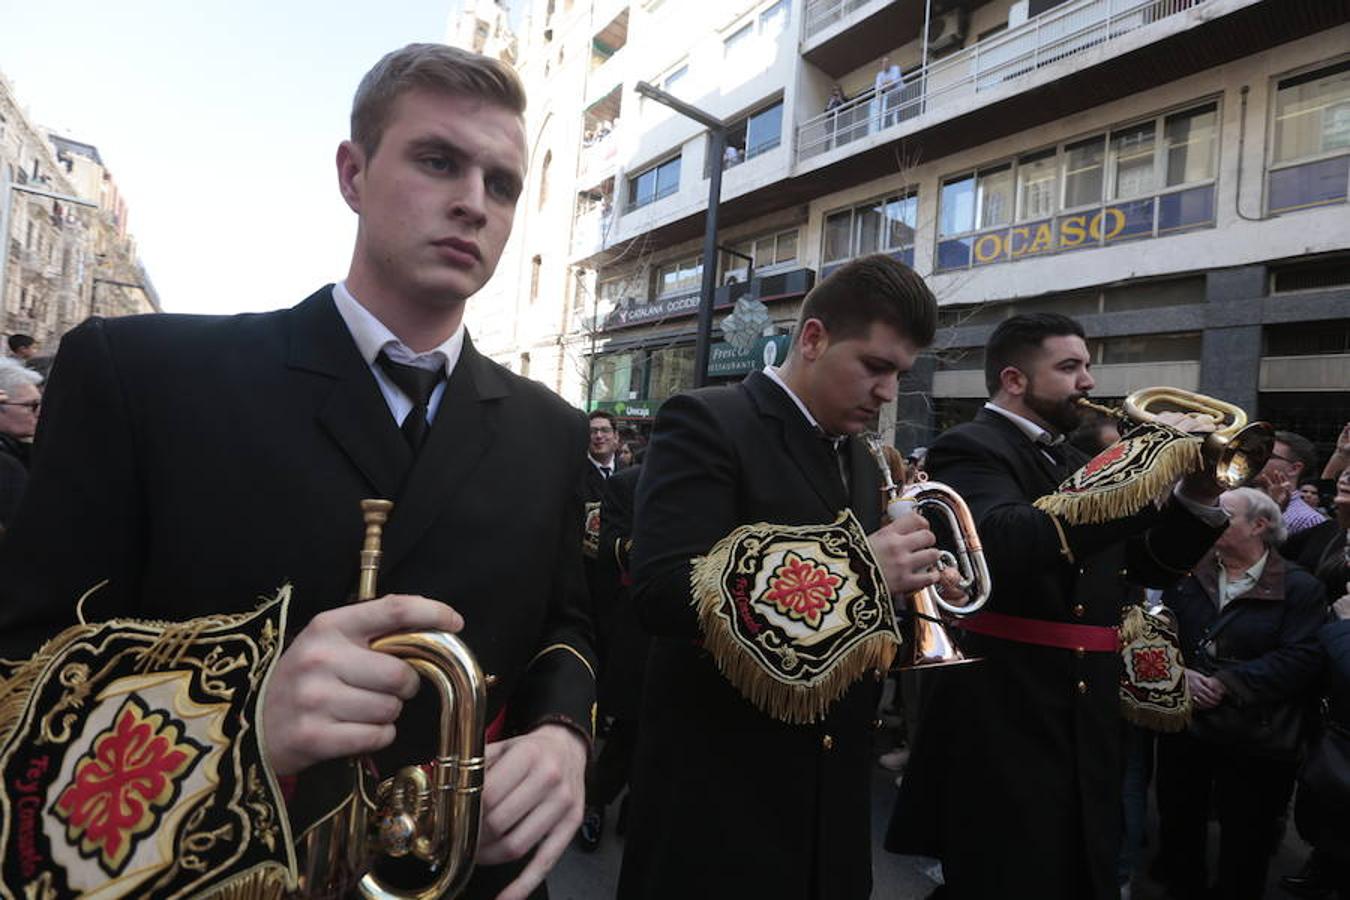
(1015, 779)
(728, 802)
(622, 635)
(199, 463)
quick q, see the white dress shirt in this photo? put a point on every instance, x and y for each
(1232, 588)
(371, 336)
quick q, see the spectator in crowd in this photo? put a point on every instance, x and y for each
(22, 346)
(887, 85)
(1292, 458)
(625, 649)
(835, 100)
(1247, 621)
(731, 156)
(1324, 791)
(19, 409)
(1312, 495)
(624, 455)
(1332, 566)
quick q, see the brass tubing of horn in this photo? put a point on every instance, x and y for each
(375, 513)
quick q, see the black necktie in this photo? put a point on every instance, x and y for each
(837, 447)
(1056, 452)
(417, 384)
(605, 472)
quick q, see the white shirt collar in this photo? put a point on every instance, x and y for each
(371, 336)
(771, 371)
(1037, 434)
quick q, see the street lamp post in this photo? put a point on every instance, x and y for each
(717, 133)
(7, 192)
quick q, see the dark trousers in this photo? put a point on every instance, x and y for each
(1249, 794)
(613, 765)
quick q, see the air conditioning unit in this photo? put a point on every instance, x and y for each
(948, 30)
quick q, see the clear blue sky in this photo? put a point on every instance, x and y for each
(219, 120)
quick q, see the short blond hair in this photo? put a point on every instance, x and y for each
(435, 67)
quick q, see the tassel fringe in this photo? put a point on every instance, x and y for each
(1092, 505)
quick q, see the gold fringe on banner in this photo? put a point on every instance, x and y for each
(1159, 705)
(1124, 478)
(788, 681)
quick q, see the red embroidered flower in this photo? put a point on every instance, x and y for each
(124, 782)
(802, 589)
(1150, 664)
(1105, 458)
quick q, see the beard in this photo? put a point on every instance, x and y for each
(1063, 415)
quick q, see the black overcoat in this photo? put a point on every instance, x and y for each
(198, 463)
(727, 801)
(1015, 778)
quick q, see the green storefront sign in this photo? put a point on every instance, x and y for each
(636, 409)
(725, 360)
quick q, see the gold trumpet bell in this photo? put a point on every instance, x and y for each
(1240, 458)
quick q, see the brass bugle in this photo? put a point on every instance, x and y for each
(431, 812)
(1234, 453)
(931, 645)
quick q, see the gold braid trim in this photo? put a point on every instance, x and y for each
(1106, 504)
(260, 883)
(1065, 550)
(570, 649)
(17, 689)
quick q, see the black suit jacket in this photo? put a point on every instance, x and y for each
(727, 801)
(1015, 779)
(198, 463)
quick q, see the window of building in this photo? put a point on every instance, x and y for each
(1310, 159)
(770, 252)
(882, 226)
(652, 184)
(617, 376)
(672, 81)
(679, 277)
(536, 265)
(525, 365)
(671, 371)
(1148, 348)
(757, 133)
(773, 20)
(1138, 181)
(738, 41)
(543, 178)
(1307, 338)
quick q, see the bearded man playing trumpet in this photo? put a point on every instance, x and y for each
(1015, 779)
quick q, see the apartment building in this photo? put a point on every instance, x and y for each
(1173, 173)
(68, 254)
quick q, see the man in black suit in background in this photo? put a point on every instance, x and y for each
(728, 800)
(1015, 780)
(197, 463)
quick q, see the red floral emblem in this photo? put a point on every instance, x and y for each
(1150, 664)
(1105, 458)
(125, 782)
(803, 589)
(593, 521)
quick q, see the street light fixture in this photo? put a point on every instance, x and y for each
(717, 133)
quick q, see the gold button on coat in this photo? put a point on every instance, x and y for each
(1078, 610)
(827, 742)
(1082, 687)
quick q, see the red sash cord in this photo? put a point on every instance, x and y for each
(1065, 635)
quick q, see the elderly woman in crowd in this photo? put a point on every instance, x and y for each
(1248, 622)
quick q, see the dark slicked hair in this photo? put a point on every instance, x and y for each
(1017, 339)
(19, 341)
(435, 67)
(868, 290)
(606, 415)
(1303, 451)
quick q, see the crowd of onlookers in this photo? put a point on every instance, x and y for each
(21, 374)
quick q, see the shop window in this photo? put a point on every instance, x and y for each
(672, 371)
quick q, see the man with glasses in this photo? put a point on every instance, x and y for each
(18, 408)
(19, 404)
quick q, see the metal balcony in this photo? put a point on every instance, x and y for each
(953, 81)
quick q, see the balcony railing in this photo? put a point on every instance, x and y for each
(821, 14)
(589, 230)
(1054, 35)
